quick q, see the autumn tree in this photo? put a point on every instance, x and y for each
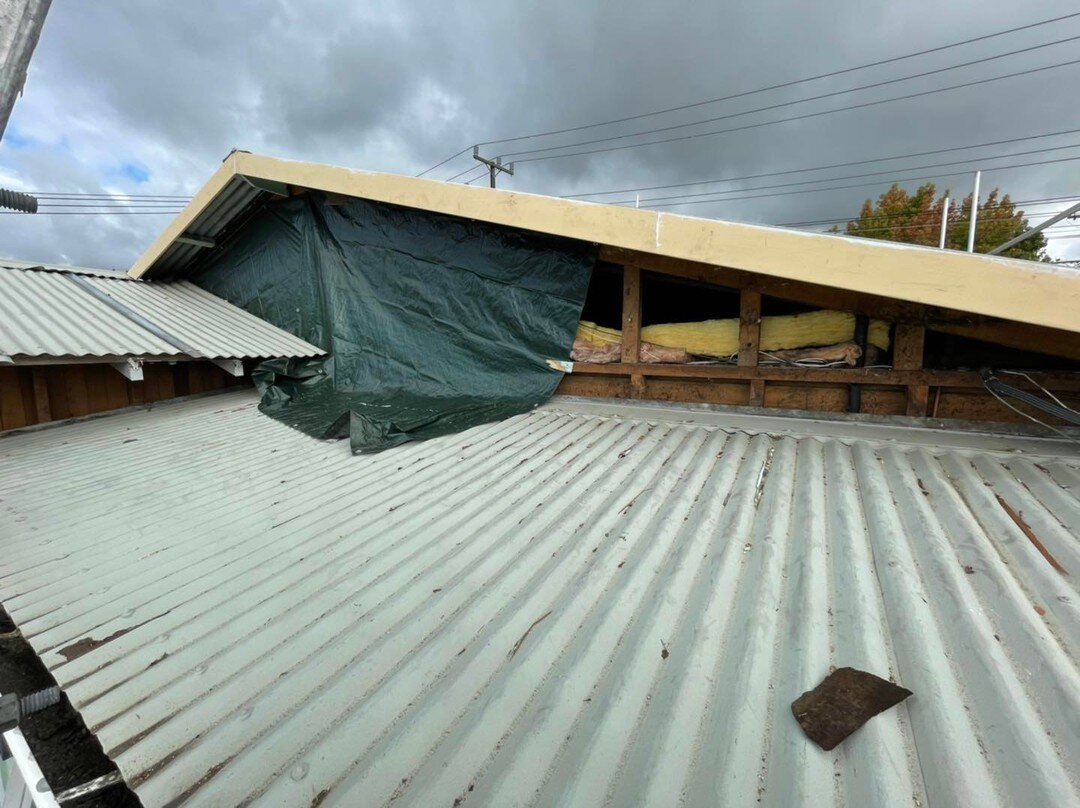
(915, 218)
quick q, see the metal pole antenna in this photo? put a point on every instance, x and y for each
(974, 213)
(944, 223)
(494, 166)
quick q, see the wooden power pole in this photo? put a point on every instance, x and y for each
(494, 166)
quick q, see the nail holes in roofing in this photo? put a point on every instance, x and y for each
(299, 771)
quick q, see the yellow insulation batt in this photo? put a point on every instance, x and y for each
(721, 337)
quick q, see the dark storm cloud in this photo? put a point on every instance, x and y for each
(170, 88)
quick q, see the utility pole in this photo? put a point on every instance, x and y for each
(494, 166)
(944, 224)
(974, 213)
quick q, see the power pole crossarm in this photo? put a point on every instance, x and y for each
(1037, 229)
(494, 166)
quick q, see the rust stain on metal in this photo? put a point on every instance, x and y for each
(88, 644)
(519, 643)
(1027, 531)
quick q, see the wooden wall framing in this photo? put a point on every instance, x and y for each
(906, 388)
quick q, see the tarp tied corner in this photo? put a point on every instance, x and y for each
(433, 324)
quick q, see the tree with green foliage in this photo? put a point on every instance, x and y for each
(915, 218)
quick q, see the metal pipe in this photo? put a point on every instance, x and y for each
(974, 213)
(944, 224)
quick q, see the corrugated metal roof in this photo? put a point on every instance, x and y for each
(9, 263)
(220, 214)
(480, 619)
(43, 313)
(213, 326)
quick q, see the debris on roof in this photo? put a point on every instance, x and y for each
(844, 701)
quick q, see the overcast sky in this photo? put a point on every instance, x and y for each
(147, 98)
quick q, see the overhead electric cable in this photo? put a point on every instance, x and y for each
(824, 167)
(768, 88)
(841, 187)
(789, 119)
(780, 86)
(866, 174)
(793, 102)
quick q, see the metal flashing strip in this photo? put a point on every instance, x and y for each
(133, 316)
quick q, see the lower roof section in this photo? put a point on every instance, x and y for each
(578, 606)
(52, 312)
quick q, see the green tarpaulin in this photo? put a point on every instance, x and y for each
(433, 324)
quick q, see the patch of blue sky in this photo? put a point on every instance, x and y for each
(132, 172)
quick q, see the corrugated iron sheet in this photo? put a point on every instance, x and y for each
(45, 314)
(571, 607)
(211, 325)
(221, 213)
(8, 263)
(42, 313)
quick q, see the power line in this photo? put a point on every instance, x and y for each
(482, 173)
(886, 217)
(137, 204)
(746, 93)
(865, 174)
(889, 216)
(95, 213)
(444, 162)
(933, 226)
(782, 104)
(462, 173)
(805, 116)
(90, 195)
(844, 187)
(824, 167)
(780, 86)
